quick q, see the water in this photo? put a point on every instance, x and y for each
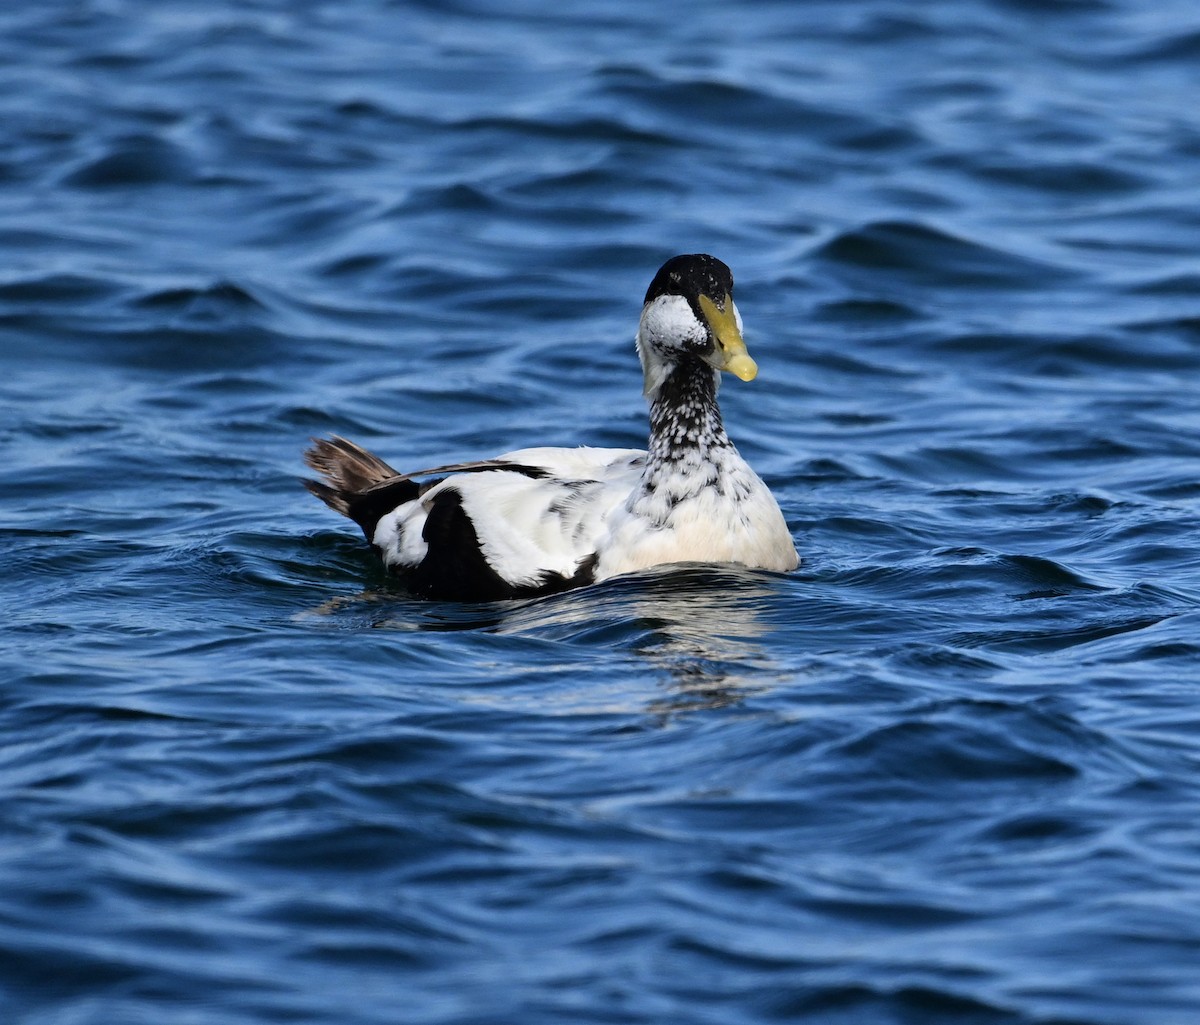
(948, 772)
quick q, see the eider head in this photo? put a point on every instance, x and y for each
(689, 315)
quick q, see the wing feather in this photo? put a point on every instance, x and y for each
(525, 521)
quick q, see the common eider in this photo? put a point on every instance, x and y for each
(540, 520)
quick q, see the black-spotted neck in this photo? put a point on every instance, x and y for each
(685, 422)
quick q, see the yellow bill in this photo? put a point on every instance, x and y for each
(731, 351)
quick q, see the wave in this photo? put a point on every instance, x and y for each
(923, 254)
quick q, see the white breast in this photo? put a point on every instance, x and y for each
(721, 513)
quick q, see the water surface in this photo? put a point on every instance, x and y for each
(947, 772)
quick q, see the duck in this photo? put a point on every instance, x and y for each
(536, 521)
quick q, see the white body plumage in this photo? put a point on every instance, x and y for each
(592, 501)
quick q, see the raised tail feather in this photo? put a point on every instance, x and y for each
(356, 483)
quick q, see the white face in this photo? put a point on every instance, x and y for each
(669, 325)
(668, 328)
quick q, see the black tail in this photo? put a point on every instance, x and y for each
(356, 483)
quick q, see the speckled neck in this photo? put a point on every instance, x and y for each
(685, 421)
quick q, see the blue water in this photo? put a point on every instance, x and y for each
(947, 772)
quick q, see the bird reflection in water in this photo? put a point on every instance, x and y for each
(700, 626)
